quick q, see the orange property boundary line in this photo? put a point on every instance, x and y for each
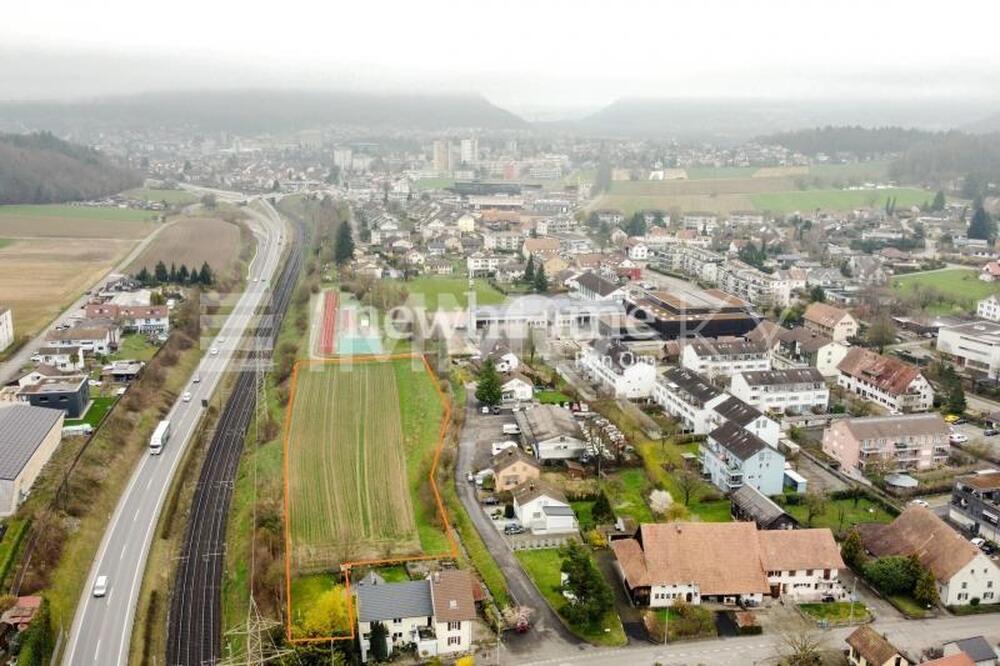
(347, 566)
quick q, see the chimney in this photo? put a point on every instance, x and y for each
(437, 576)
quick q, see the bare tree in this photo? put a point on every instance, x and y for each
(802, 648)
(688, 482)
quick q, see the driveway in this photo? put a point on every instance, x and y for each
(547, 634)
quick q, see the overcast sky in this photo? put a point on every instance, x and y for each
(520, 54)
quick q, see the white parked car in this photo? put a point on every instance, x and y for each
(958, 438)
(920, 502)
(186, 397)
(101, 586)
(978, 542)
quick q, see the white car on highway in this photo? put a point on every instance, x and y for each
(186, 397)
(101, 586)
(213, 351)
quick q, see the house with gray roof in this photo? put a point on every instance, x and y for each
(733, 456)
(28, 438)
(551, 432)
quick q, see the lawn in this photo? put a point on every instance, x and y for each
(866, 511)
(50, 221)
(552, 397)
(181, 197)
(440, 293)
(906, 605)
(543, 566)
(306, 591)
(692, 622)
(962, 287)
(627, 491)
(838, 612)
(359, 443)
(98, 408)
(11, 540)
(4, 242)
(134, 346)
(584, 510)
(433, 183)
(786, 202)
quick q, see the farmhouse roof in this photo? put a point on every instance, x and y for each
(888, 374)
(871, 645)
(824, 314)
(533, 489)
(755, 503)
(918, 531)
(392, 600)
(22, 430)
(79, 333)
(451, 595)
(799, 549)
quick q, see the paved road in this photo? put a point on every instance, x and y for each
(546, 627)
(102, 627)
(12, 366)
(912, 636)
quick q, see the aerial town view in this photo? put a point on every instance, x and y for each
(556, 333)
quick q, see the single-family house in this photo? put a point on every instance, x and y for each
(975, 504)
(990, 272)
(976, 649)
(70, 393)
(617, 370)
(516, 388)
(543, 509)
(867, 647)
(511, 468)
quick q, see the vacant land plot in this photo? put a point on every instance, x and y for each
(73, 222)
(40, 277)
(191, 242)
(786, 202)
(156, 195)
(961, 287)
(841, 515)
(781, 172)
(359, 443)
(449, 293)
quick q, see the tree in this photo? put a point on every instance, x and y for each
(343, 250)
(173, 272)
(591, 596)
(206, 276)
(488, 389)
(853, 552)
(939, 202)
(529, 270)
(982, 226)
(183, 274)
(377, 640)
(802, 649)
(636, 225)
(955, 401)
(144, 277)
(541, 282)
(602, 511)
(658, 220)
(688, 482)
(815, 503)
(327, 615)
(208, 200)
(160, 273)
(925, 591)
(817, 295)
(881, 333)
(894, 574)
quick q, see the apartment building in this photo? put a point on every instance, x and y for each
(989, 308)
(800, 347)
(764, 290)
(724, 358)
(793, 391)
(974, 345)
(886, 381)
(701, 222)
(975, 504)
(480, 264)
(617, 370)
(695, 262)
(733, 456)
(689, 398)
(830, 321)
(910, 441)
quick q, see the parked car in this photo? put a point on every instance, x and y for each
(513, 528)
(978, 542)
(485, 409)
(496, 410)
(213, 351)
(958, 438)
(990, 432)
(920, 502)
(197, 378)
(490, 500)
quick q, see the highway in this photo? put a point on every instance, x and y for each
(102, 627)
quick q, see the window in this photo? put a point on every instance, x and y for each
(397, 620)
(454, 640)
(454, 626)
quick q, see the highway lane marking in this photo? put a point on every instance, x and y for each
(97, 649)
(136, 516)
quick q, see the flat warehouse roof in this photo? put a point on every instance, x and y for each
(22, 429)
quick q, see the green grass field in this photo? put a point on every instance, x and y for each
(98, 408)
(865, 512)
(4, 242)
(180, 197)
(439, 293)
(543, 566)
(786, 202)
(961, 287)
(433, 183)
(134, 346)
(838, 611)
(360, 441)
(719, 173)
(76, 212)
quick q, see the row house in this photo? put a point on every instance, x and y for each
(729, 563)
(732, 456)
(688, 398)
(617, 370)
(504, 241)
(143, 319)
(753, 285)
(886, 381)
(724, 358)
(793, 391)
(910, 441)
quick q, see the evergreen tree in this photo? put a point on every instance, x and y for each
(636, 226)
(488, 388)
(160, 273)
(377, 640)
(206, 277)
(853, 552)
(144, 277)
(925, 590)
(343, 250)
(182, 274)
(529, 270)
(817, 295)
(658, 220)
(982, 226)
(541, 282)
(939, 202)
(602, 511)
(173, 272)
(591, 594)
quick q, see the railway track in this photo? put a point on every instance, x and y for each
(194, 624)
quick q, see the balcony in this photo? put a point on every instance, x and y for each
(734, 481)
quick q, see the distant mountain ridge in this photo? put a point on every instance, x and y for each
(40, 168)
(254, 110)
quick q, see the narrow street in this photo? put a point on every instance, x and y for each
(547, 636)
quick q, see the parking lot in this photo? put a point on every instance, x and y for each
(977, 434)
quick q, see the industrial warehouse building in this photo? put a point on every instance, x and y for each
(28, 438)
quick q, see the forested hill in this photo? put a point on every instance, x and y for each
(251, 111)
(40, 168)
(860, 141)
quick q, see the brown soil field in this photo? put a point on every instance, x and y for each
(40, 277)
(13, 225)
(193, 241)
